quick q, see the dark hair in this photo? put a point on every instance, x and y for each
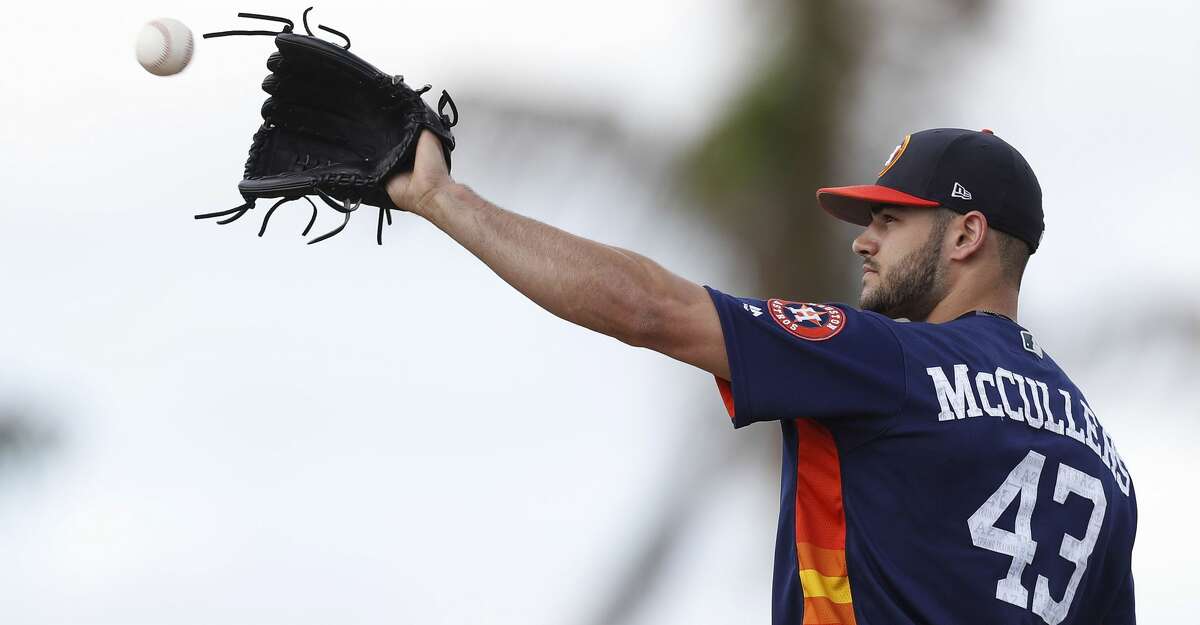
(1014, 256)
(1014, 253)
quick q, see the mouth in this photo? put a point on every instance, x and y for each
(869, 272)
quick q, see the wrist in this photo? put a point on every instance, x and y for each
(440, 198)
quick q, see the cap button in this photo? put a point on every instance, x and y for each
(987, 131)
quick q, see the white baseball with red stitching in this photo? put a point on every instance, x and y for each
(164, 47)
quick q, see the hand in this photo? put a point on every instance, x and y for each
(412, 191)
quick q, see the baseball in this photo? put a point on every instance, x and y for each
(164, 47)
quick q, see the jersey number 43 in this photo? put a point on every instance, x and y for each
(1020, 546)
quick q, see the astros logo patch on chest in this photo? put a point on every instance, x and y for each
(811, 322)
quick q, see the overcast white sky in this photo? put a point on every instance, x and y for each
(260, 431)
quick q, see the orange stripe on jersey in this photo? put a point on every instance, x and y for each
(821, 527)
(726, 394)
(822, 611)
(827, 562)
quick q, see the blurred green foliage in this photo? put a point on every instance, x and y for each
(757, 170)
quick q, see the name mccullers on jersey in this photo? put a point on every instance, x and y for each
(962, 399)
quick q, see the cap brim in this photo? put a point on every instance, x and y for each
(853, 204)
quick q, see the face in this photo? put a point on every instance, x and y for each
(904, 274)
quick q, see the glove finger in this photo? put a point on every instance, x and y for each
(271, 83)
(275, 62)
(289, 67)
(319, 56)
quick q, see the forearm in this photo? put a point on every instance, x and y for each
(597, 286)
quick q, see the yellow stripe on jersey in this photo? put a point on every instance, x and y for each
(836, 589)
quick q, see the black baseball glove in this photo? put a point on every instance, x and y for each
(334, 126)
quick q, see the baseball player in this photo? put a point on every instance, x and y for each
(939, 466)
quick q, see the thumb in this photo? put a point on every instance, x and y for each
(397, 188)
(429, 154)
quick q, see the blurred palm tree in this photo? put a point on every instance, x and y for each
(24, 437)
(755, 172)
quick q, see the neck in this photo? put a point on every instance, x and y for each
(1002, 300)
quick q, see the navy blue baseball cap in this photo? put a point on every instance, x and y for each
(962, 170)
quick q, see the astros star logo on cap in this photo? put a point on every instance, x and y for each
(896, 153)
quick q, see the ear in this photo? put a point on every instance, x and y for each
(969, 232)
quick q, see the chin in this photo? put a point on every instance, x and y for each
(864, 297)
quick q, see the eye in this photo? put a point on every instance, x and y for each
(887, 219)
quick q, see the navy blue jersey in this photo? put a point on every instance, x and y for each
(933, 473)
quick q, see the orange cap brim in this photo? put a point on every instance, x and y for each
(853, 204)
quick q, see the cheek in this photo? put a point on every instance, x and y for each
(883, 261)
(893, 251)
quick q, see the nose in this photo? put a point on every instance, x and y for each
(864, 244)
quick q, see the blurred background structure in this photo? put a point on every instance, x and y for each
(200, 426)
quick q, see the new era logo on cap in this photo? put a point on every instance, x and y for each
(960, 191)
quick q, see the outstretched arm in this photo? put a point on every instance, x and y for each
(600, 287)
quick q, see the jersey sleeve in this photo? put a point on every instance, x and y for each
(802, 360)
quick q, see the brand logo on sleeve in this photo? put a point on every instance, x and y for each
(811, 322)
